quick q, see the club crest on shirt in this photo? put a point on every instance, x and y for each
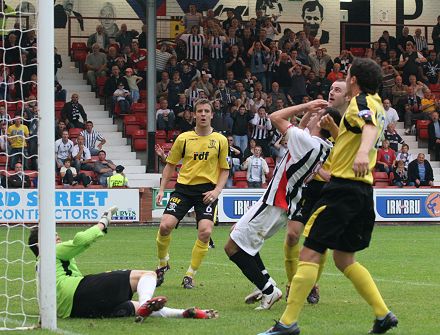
(212, 144)
(365, 114)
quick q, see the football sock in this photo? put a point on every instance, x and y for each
(198, 253)
(300, 287)
(321, 265)
(262, 267)
(249, 267)
(291, 255)
(364, 284)
(163, 245)
(167, 312)
(145, 287)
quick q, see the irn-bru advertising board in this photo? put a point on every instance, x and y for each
(71, 205)
(390, 204)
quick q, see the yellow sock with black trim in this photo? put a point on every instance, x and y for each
(321, 265)
(199, 252)
(364, 284)
(163, 245)
(300, 287)
(291, 255)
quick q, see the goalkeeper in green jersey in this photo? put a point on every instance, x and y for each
(107, 294)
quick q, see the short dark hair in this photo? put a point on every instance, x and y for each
(89, 122)
(33, 241)
(311, 6)
(368, 74)
(334, 113)
(102, 151)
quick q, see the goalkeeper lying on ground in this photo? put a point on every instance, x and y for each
(107, 294)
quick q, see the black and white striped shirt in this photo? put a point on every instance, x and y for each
(216, 47)
(261, 127)
(91, 138)
(300, 164)
(194, 46)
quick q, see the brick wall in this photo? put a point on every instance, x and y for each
(384, 12)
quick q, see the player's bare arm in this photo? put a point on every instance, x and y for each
(360, 164)
(280, 119)
(166, 176)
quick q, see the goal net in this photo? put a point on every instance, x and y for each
(20, 168)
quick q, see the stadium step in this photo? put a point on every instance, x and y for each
(117, 147)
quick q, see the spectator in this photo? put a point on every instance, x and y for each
(163, 55)
(235, 62)
(19, 179)
(404, 155)
(81, 157)
(104, 168)
(63, 149)
(258, 53)
(234, 159)
(3, 137)
(71, 177)
(133, 81)
(389, 40)
(383, 52)
(336, 73)
(317, 61)
(399, 90)
(112, 83)
(59, 129)
(125, 37)
(429, 103)
(324, 84)
(139, 59)
(410, 62)
(345, 59)
(434, 135)
(71, 112)
(57, 60)
(261, 126)
(118, 179)
(391, 115)
(216, 43)
(385, 157)
(194, 42)
(249, 150)
(4, 116)
(60, 92)
(436, 35)
(100, 38)
(221, 121)
(112, 58)
(142, 38)
(280, 147)
(257, 169)
(393, 59)
(91, 136)
(18, 135)
(412, 110)
(298, 87)
(165, 116)
(162, 86)
(12, 50)
(255, 103)
(32, 150)
(96, 65)
(388, 80)
(192, 18)
(420, 172)
(277, 94)
(420, 42)
(393, 137)
(418, 86)
(403, 40)
(122, 97)
(431, 69)
(175, 88)
(193, 93)
(206, 86)
(400, 175)
(186, 122)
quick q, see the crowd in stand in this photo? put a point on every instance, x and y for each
(247, 69)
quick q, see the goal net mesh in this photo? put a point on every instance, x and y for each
(18, 163)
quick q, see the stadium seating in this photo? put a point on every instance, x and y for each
(137, 107)
(139, 140)
(380, 178)
(422, 129)
(239, 176)
(161, 136)
(74, 133)
(172, 134)
(241, 184)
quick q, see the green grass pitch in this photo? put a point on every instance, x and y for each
(403, 260)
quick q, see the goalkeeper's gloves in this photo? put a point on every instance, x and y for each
(106, 217)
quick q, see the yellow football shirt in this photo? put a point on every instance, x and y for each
(18, 135)
(202, 157)
(363, 108)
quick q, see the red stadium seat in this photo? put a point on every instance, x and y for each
(137, 107)
(241, 184)
(172, 134)
(434, 87)
(143, 95)
(270, 162)
(100, 83)
(239, 176)
(380, 178)
(79, 46)
(74, 133)
(161, 136)
(130, 124)
(358, 52)
(422, 129)
(139, 140)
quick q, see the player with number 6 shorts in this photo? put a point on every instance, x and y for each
(203, 175)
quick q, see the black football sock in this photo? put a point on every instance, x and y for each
(249, 267)
(261, 265)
